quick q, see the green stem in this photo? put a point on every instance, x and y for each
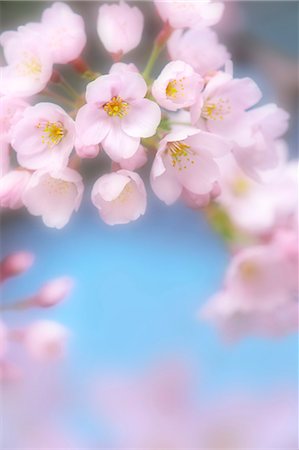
(151, 62)
(58, 97)
(68, 87)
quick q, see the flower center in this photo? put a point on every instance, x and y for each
(56, 186)
(180, 154)
(216, 110)
(53, 133)
(30, 66)
(240, 186)
(116, 107)
(249, 270)
(174, 88)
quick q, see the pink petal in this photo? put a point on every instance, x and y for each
(92, 124)
(117, 144)
(143, 118)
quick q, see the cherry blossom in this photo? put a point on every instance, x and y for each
(186, 159)
(120, 27)
(12, 186)
(45, 340)
(44, 137)
(181, 14)
(198, 47)
(54, 195)
(120, 197)
(117, 115)
(221, 109)
(177, 86)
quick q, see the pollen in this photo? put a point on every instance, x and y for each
(216, 110)
(249, 270)
(116, 107)
(175, 88)
(53, 133)
(240, 186)
(30, 65)
(56, 186)
(180, 155)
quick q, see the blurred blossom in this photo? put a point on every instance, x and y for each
(15, 264)
(54, 291)
(12, 186)
(120, 27)
(46, 340)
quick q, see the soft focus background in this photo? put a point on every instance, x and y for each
(138, 287)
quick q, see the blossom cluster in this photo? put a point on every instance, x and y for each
(199, 129)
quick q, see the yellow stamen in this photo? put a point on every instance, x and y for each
(216, 110)
(175, 88)
(54, 132)
(180, 154)
(116, 107)
(240, 186)
(249, 270)
(30, 65)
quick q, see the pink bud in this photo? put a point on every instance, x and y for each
(45, 340)
(54, 292)
(15, 264)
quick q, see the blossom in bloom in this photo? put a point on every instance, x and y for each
(12, 186)
(63, 32)
(117, 115)
(196, 201)
(259, 295)
(121, 67)
(29, 63)
(53, 292)
(15, 263)
(265, 151)
(45, 340)
(120, 27)
(54, 195)
(177, 86)
(187, 14)
(198, 47)
(221, 108)
(186, 160)
(258, 208)
(44, 137)
(120, 197)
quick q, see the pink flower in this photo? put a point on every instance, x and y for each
(120, 27)
(3, 339)
(264, 152)
(44, 137)
(54, 195)
(53, 292)
(187, 14)
(11, 111)
(46, 340)
(4, 157)
(177, 86)
(117, 114)
(15, 263)
(29, 63)
(198, 47)
(186, 160)
(221, 107)
(63, 32)
(121, 67)
(12, 186)
(119, 196)
(260, 292)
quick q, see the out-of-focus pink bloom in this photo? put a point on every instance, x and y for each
(4, 157)
(54, 195)
(267, 124)
(221, 108)
(121, 67)
(198, 47)
(11, 110)
(120, 27)
(12, 186)
(177, 86)
(15, 264)
(29, 63)
(186, 160)
(120, 197)
(117, 114)
(54, 291)
(63, 32)
(136, 161)
(3, 339)
(44, 137)
(86, 151)
(260, 294)
(196, 201)
(46, 340)
(257, 208)
(187, 14)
